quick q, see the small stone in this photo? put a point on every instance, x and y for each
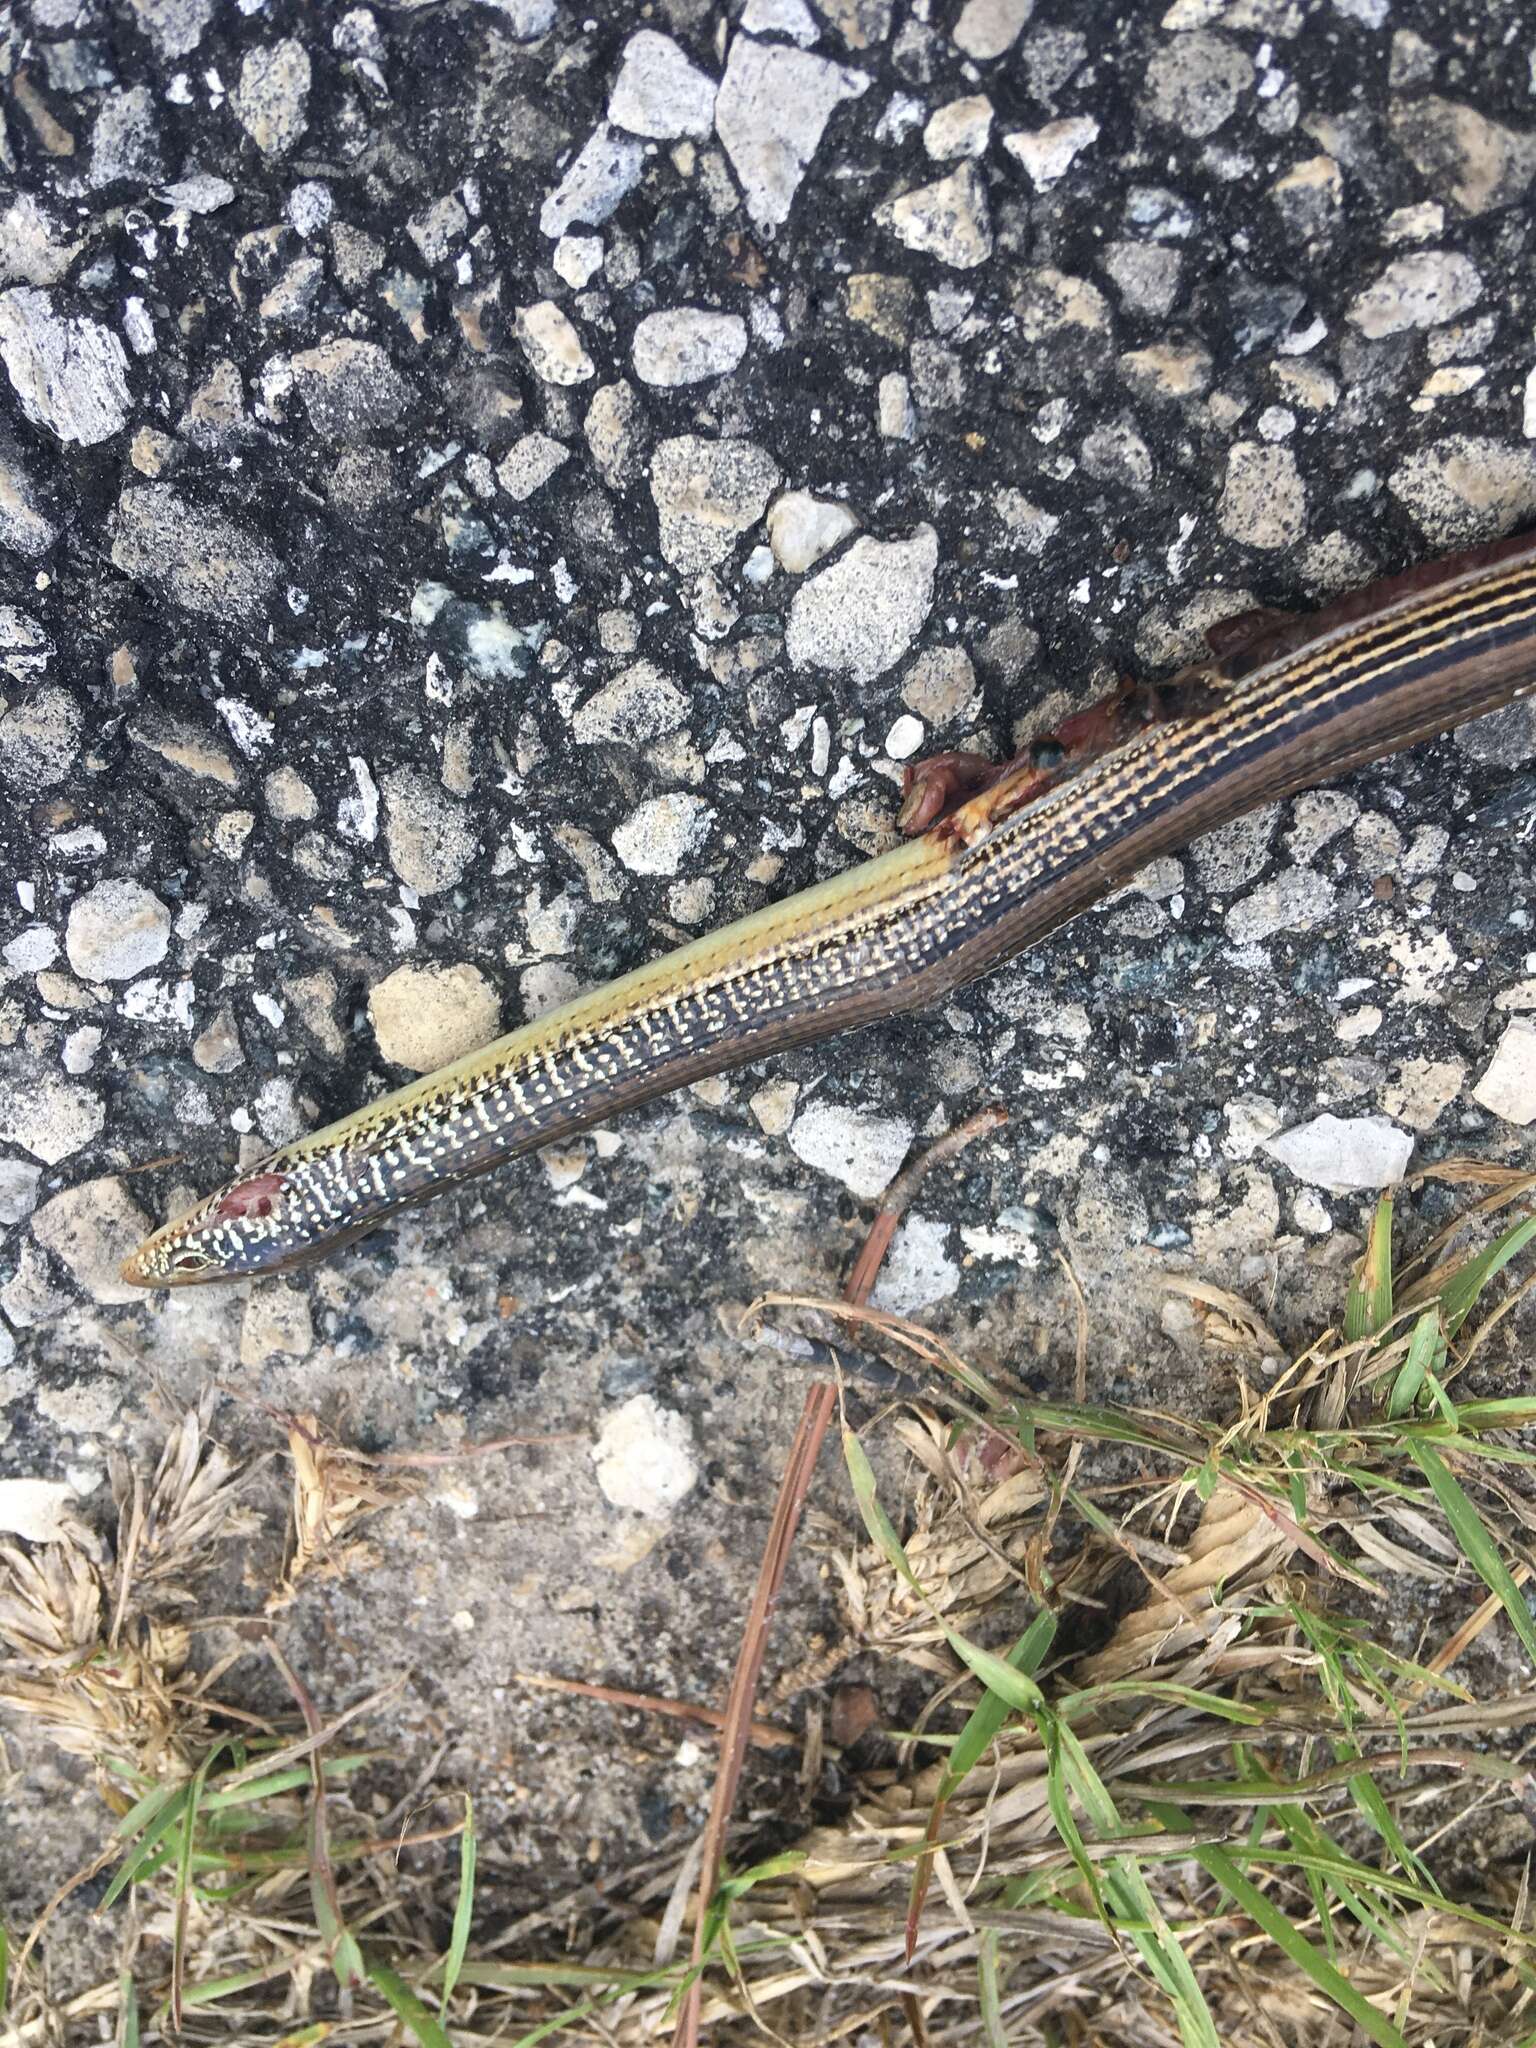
(350, 388)
(706, 493)
(175, 27)
(949, 219)
(791, 18)
(644, 1457)
(861, 614)
(578, 259)
(918, 1269)
(425, 1015)
(1344, 1154)
(1421, 290)
(50, 1118)
(608, 167)
(314, 996)
(895, 416)
(1293, 902)
(70, 374)
(525, 20)
(904, 738)
(530, 463)
(217, 1049)
(1264, 501)
(1308, 385)
(39, 737)
(990, 28)
(276, 1324)
(310, 207)
(117, 930)
(552, 345)
(92, 1228)
(1486, 166)
(1467, 488)
(774, 1106)
(18, 1190)
(864, 1152)
(201, 192)
(1064, 318)
(272, 98)
(615, 434)
(289, 797)
(1507, 1088)
(215, 415)
(639, 705)
(961, 128)
(184, 747)
(662, 833)
(33, 248)
(125, 140)
(1195, 81)
(1167, 371)
(940, 687)
(37, 1510)
(1234, 853)
(685, 345)
(439, 228)
(771, 112)
(430, 839)
(658, 92)
(1309, 194)
(1116, 454)
(1146, 275)
(1421, 1089)
(196, 555)
(1250, 1120)
(882, 304)
(27, 521)
(801, 529)
(1046, 154)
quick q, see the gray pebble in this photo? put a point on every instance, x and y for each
(860, 615)
(69, 373)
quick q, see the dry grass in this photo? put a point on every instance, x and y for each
(1242, 1813)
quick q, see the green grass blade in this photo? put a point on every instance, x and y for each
(184, 1878)
(988, 1716)
(215, 1988)
(876, 1520)
(1059, 1801)
(292, 1780)
(1367, 1795)
(1423, 1346)
(1368, 1305)
(458, 1941)
(144, 1810)
(1161, 1951)
(983, 1724)
(1476, 1543)
(1459, 1295)
(408, 2008)
(991, 1990)
(141, 1859)
(1245, 1713)
(1289, 1940)
(127, 2011)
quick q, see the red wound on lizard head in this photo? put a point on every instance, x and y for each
(253, 1197)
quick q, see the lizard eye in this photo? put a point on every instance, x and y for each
(191, 1262)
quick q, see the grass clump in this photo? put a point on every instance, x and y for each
(1177, 1777)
